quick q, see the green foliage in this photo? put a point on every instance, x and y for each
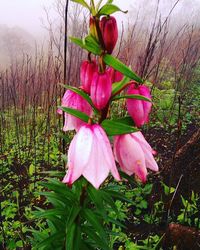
(82, 2)
(115, 127)
(152, 242)
(136, 97)
(76, 113)
(22, 163)
(117, 87)
(189, 214)
(121, 67)
(75, 216)
(166, 106)
(109, 9)
(81, 93)
(89, 44)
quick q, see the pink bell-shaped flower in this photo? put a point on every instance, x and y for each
(115, 75)
(90, 155)
(87, 71)
(134, 155)
(101, 89)
(109, 30)
(75, 101)
(139, 109)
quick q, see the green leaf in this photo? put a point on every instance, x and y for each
(81, 93)
(49, 212)
(92, 218)
(82, 2)
(95, 196)
(108, 200)
(167, 190)
(117, 87)
(73, 237)
(59, 187)
(113, 127)
(109, 9)
(76, 113)
(109, 1)
(75, 210)
(31, 170)
(137, 97)
(118, 65)
(117, 195)
(55, 198)
(97, 240)
(89, 44)
(127, 120)
(98, 5)
(116, 222)
(48, 241)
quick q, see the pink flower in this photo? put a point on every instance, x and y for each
(101, 89)
(115, 75)
(109, 30)
(75, 101)
(134, 155)
(90, 155)
(87, 71)
(138, 109)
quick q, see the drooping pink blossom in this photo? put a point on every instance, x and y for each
(87, 71)
(74, 101)
(90, 155)
(101, 89)
(115, 75)
(109, 30)
(139, 109)
(134, 155)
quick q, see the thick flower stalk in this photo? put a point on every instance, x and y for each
(75, 101)
(134, 155)
(101, 88)
(87, 71)
(90, 155)
(109, 30)
(139, 109)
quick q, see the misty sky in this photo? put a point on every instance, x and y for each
(24, 13)
(28, 13)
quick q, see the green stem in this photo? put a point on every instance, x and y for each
(93, 8)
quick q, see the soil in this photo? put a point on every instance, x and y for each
(182, 174)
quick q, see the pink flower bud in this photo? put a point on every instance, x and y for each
(134, 155)
(101, 89)
(115, 75)
(139, 109)
(109, 30)
(90, 155)
(93, 29)
(87, 71)
(75, 101)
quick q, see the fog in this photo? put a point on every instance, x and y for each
(30, 16)
(23, 21)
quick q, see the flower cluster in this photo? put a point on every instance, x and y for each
(90, 152)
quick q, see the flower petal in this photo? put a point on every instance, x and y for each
(132, 157)
(101, 160)
(79, 153)
(148, 151)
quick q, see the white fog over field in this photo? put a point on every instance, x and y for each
(24, 22)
